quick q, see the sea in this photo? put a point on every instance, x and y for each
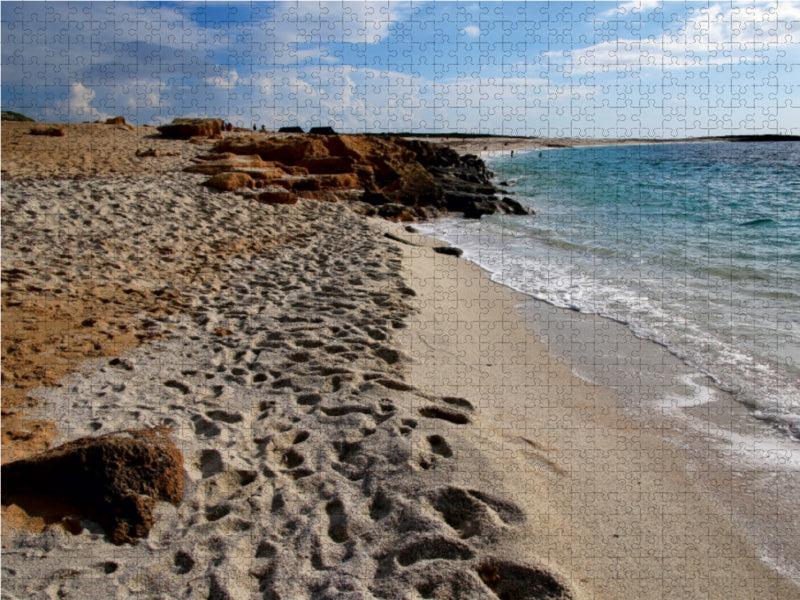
(694, 246)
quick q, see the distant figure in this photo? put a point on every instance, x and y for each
(254, 127)
(540, 155)
(263, 129)
(512, 154)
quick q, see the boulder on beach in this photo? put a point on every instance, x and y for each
(294, 129)
(116, 121)
(54, 131)
(114, 479)
(183, 129)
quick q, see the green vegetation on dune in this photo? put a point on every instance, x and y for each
(10, 115)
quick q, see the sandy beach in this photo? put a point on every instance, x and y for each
(359, 414)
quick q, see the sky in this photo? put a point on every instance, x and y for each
(643, 69)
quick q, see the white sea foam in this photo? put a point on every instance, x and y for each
(653, 237)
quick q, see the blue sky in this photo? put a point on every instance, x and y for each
(586, 69)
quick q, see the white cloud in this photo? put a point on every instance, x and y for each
(345, 22)
(78, 104)
(471, 31)
(712, 35)
(225, 78)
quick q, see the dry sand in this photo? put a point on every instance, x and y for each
(359, 416)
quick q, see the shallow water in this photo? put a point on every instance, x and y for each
(694, 246)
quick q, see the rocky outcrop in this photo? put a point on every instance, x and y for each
(398, 179)
(184, 129)
(114, 479)
(212, 164)
(230, 181)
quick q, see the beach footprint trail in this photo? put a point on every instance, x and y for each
(312, 469)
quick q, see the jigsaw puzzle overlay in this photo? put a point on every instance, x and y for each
(400, 300)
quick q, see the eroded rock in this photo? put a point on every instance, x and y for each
(114, 479)
(230, 181)
(183, 129)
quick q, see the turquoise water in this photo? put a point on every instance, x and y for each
(695, 246)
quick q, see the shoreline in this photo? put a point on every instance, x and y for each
(525, 323)
(346, 401)
(687, 409)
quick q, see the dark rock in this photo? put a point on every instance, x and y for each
(183, 129)
(510, 206)
(448, 250)
(322, 130)
(114, 479)
(294, 129)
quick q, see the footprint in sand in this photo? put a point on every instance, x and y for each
(432, 546)
(224, 416)
(440, 446)
(445, 414)
(509, 579)
(178, 385)
(211, 463)
(205, 428)
(337, 521)
(471, 513)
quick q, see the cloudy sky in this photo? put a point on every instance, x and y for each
(588, 69)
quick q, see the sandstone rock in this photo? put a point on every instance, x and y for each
(277, 195)
(285, 150)
(114, 479)
(183, 129)
(293, 170)
(327, 165)
(221, 165)
(340, 181)
(230, 181)
(306, 184)
(116, 121)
